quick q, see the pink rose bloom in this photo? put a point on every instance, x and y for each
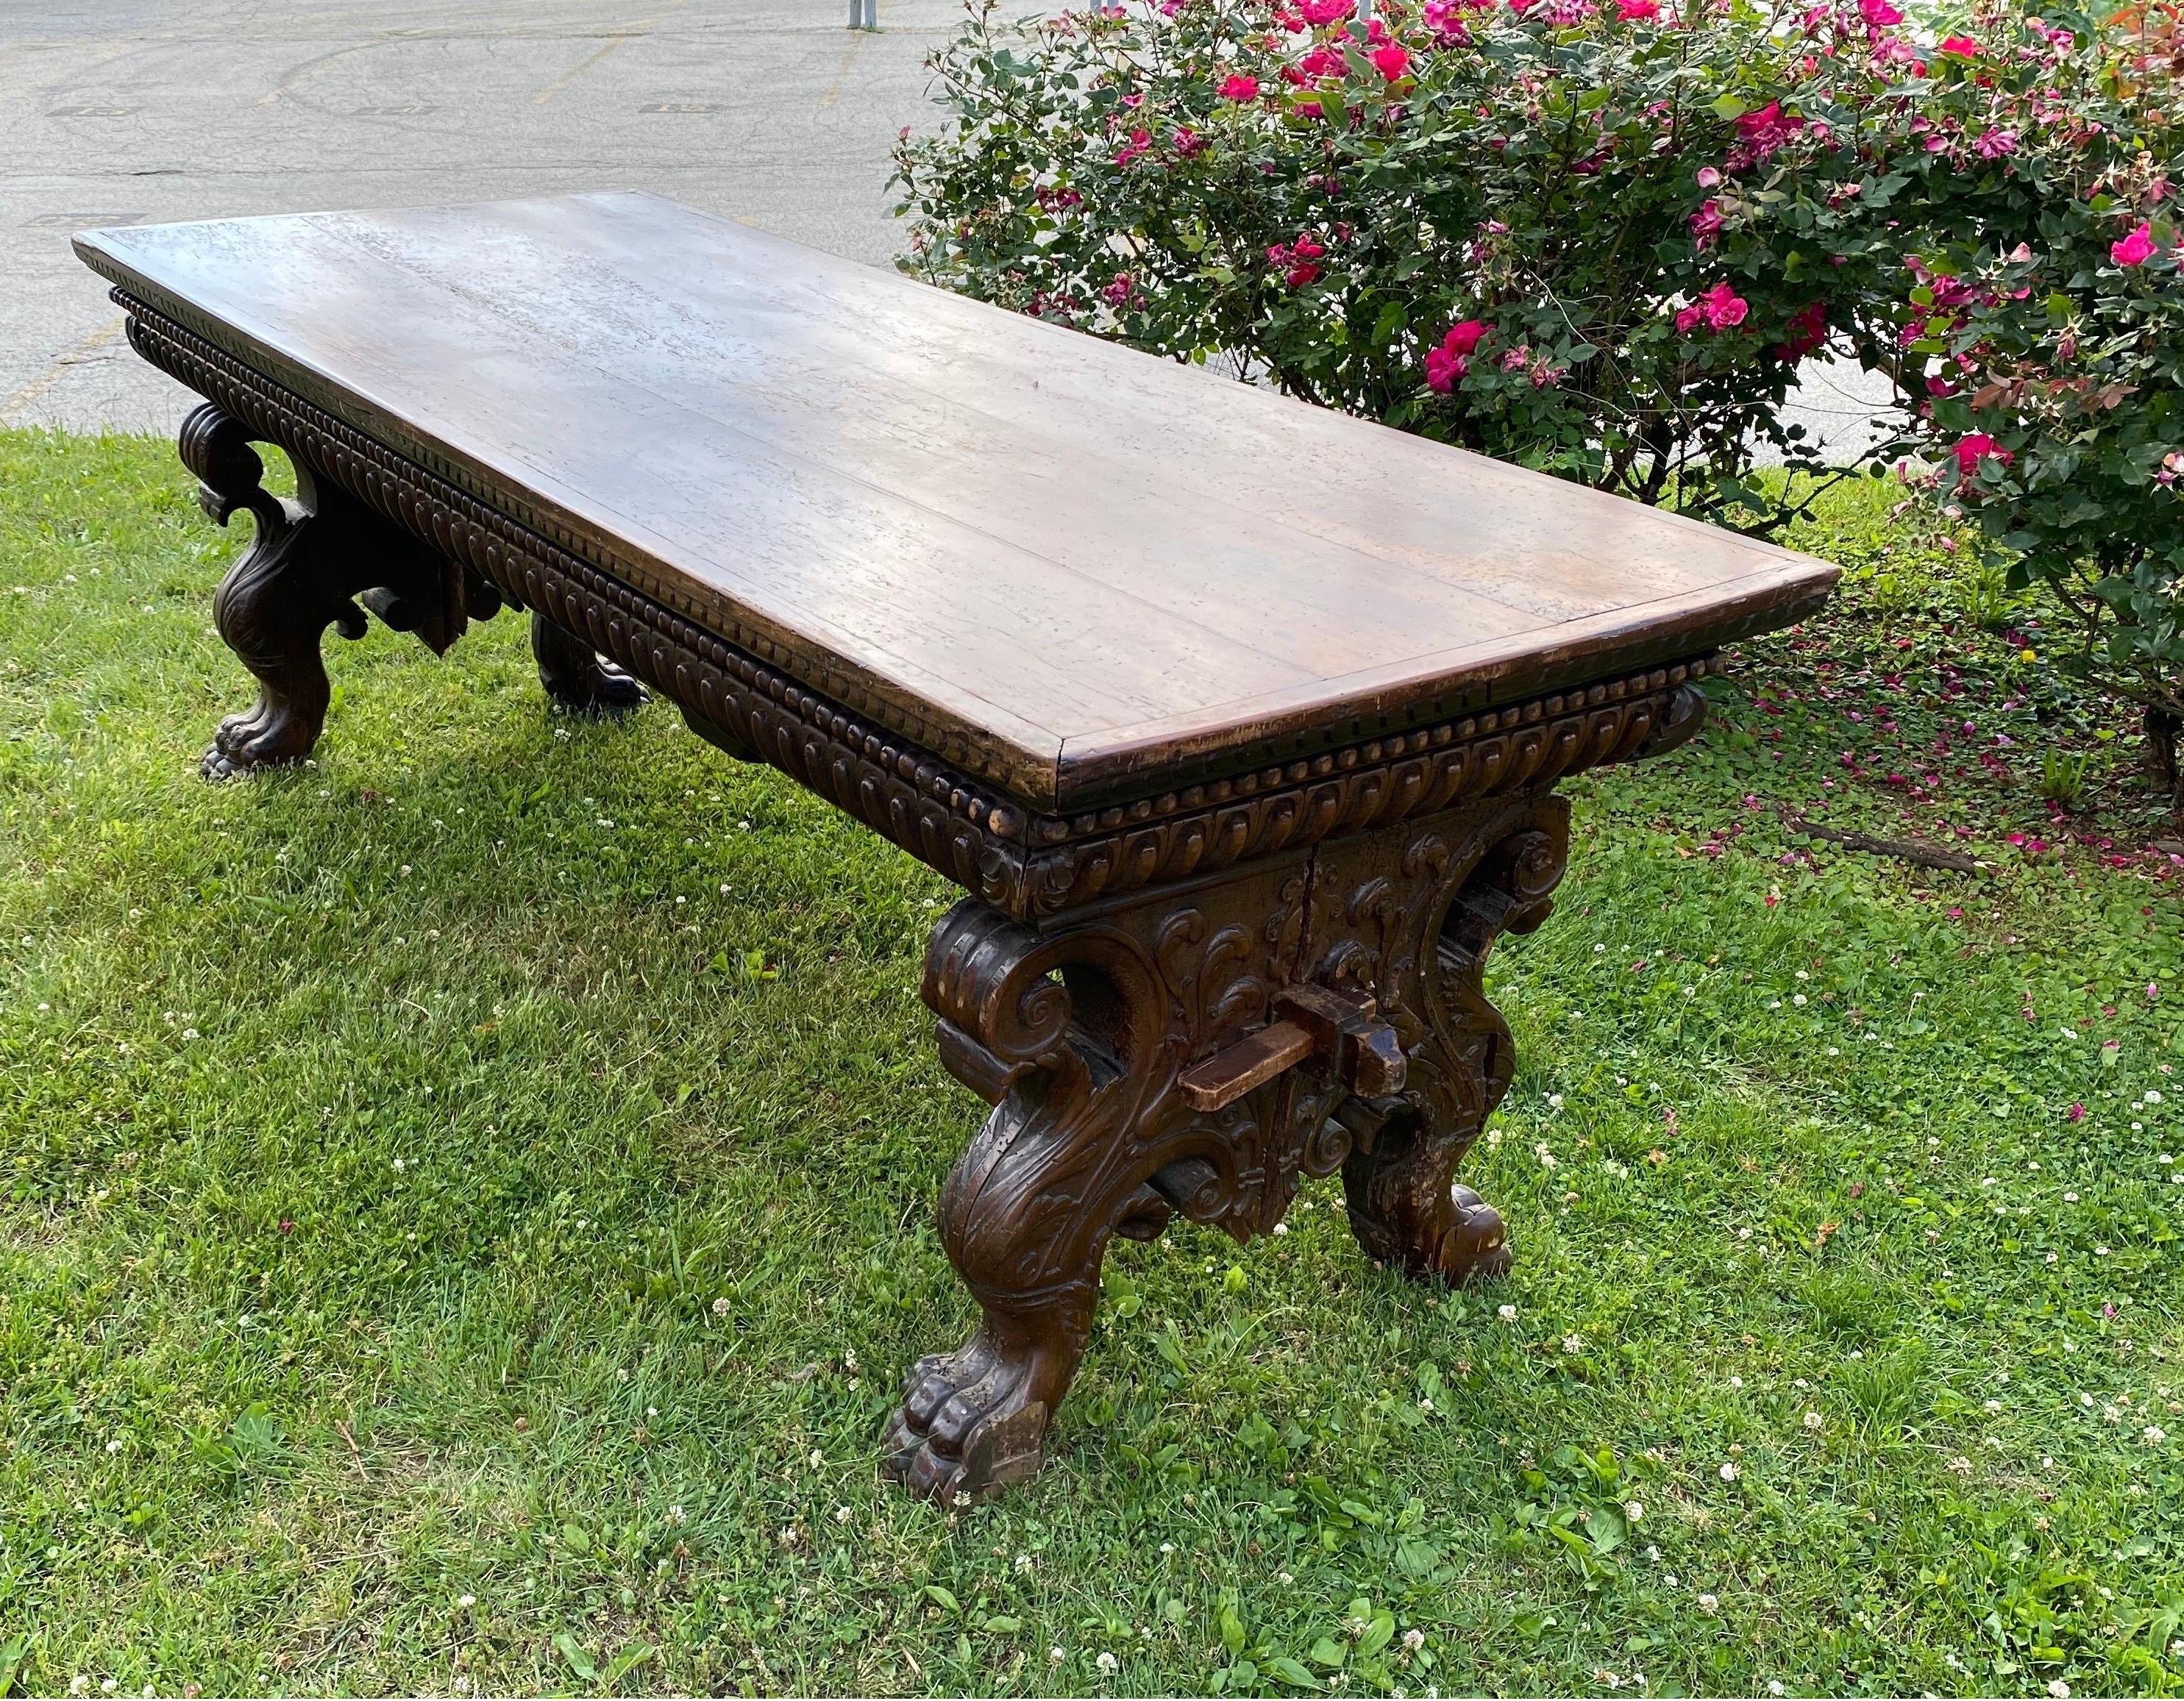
(1993, 143)
(1442, 17)
(1240, 88)
(2134, 250)
(1637, 11)
(1393, 61)
(1298, 258)
(1960, 46)
(1970, 451)
(1321, 13)
(1721, 308)
(1444, 366)
(1724, 308)
(1709, 178)
(1521, 7)
(1767, 130)
(1188, 142)
(1464, 338)
(1705, 225)
(1324, 61)
(1808, 330)
(1879, 13)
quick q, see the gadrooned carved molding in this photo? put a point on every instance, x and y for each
(1025, 863)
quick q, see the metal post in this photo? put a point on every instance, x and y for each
(864, 15)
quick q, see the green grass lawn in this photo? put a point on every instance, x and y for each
(465, 1208)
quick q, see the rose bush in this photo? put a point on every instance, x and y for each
(1598, 236)
(2047, 319)
(1591, 241)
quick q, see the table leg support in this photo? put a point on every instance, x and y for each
(1406, 1208)
(1095, 1034)
(575, 677)
(1065, 1036)
(318, 560)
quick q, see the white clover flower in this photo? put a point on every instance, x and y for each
(1708, 1604)
(1633, 1510)
(1813, 1420)
(1414, 1639)
(1107, 1663)
(466, 1601)
(1729, 1472)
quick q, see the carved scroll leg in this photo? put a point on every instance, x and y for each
(275, 603)
(1064, 1039)
(310, 561)
(1407, 1209)
(575, 677)
(1026, 1218)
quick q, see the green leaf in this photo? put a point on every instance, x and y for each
(1329, 1653)
(1289, 1671)
(1232, 1630)
(627, 1661)
(1729, 109)
(580, 1662)
(942, 1598)
(12, 1652)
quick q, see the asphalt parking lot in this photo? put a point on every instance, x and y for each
(135, 111)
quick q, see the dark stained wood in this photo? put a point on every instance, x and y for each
(1226, 1075)
(1058, 564)
(1239, 723)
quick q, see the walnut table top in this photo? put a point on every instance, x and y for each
(1071, 570)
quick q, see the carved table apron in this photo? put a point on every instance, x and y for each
(1244, 965)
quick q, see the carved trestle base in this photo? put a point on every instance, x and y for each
(1179, 1006)
(1089, 1032)
(321, 558)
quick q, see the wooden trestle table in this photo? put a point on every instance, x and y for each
(1239, 721)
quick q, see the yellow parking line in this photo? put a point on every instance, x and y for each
(52, 375)
(578, 70)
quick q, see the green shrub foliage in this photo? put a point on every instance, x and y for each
(1598, 237)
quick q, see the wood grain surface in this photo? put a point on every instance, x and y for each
(1097, 569)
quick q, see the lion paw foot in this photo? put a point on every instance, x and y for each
(966, 1426)
(262, 738)
(1475, 1245)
